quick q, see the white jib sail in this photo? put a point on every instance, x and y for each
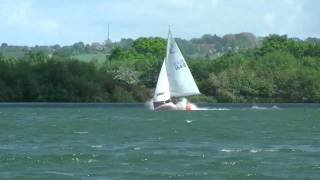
(179, 76)
(162, 92)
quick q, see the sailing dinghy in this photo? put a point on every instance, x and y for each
(175, 81)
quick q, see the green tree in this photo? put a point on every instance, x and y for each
(117, 53)
(150, 47)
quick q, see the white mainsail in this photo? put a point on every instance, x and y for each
(175, 80)
(181, 82)
(162, 92)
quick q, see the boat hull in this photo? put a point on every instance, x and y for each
(185, 105)
(178, 106)
(167, 106)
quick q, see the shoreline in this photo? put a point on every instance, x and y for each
(140, 105)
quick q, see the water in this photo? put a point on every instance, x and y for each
(129, 142)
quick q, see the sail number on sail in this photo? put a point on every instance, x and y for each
(179, 64)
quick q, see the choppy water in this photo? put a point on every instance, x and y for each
(133, 143)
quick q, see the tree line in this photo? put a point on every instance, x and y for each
(39, 78)
(206, 46)
(279, 69)
(282, 70)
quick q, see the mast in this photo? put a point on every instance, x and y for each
(168, 43)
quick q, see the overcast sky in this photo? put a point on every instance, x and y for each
(47, 22)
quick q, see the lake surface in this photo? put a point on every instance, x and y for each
(129, 142)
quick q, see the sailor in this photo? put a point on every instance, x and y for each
(188, 106)
(174, 100)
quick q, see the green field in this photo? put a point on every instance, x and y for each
(100, 58)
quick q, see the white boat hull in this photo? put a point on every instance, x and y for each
(167, 106)
(186, 106)
(180, 106)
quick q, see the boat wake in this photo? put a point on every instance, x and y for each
(263, 107)
(213, 109)
(149, 104)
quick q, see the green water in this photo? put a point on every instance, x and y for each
(134, 143)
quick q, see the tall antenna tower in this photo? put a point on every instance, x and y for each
(108, 34)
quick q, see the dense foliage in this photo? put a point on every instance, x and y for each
(36, 77)
(282, 70)
(278, 69)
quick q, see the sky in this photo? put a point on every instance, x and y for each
(64, 22)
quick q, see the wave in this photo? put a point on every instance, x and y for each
(263, 107)
(213, 109)
(189, 121)
(149, 104)
(59, 173)
(80, 132)
(254, 150)
(274, 148)
(97, 146)
(258, 107)
(137, 148)
(229, 150)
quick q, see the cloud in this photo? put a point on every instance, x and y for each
(214, 3)
(178, 4)
(269, 19)
(22, 15)
(66, 22)
(49, 25)
(15, 13)
(21, 23)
